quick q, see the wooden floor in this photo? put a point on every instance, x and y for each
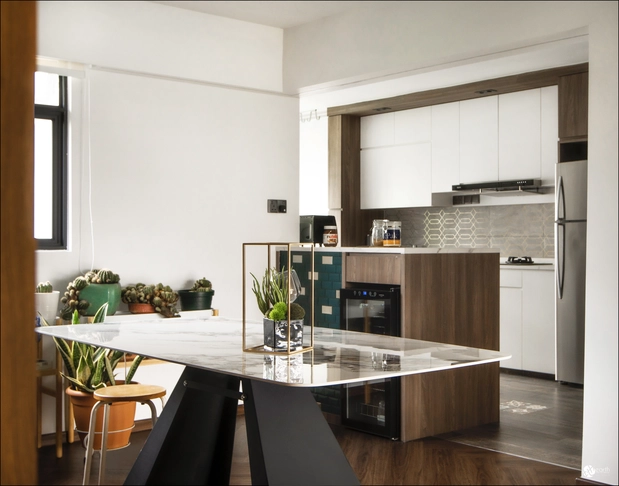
(445, 460)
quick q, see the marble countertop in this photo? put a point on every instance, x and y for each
(215, 344)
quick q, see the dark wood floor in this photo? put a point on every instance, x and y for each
(468, 457)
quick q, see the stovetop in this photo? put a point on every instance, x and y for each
(524, 260)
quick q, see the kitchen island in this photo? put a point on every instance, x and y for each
(447, 295)
(289, 441)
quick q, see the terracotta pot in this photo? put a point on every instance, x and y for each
(122, 420)
(141, 308)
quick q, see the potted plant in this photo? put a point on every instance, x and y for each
(198, 297)
(138, 298)
(161, 298)
(88, 292)
(276, 307)
(88, 368)
(46, 301)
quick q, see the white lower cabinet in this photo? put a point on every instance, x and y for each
(528, 320)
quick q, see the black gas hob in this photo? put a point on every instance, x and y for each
(525, 260)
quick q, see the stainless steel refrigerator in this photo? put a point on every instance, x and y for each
(570, 265)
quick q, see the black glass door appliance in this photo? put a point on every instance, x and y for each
(372, 406)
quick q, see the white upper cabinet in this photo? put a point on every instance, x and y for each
(413, 126)
(550, 133)
(520, 135)
(377, 130)
(445, 146)
(479, 150)
(396, 176)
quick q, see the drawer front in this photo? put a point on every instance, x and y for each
(511, 278)
(373, 268)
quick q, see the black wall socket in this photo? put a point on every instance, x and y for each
(276, 205)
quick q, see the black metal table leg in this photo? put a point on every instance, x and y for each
(193, 439)
(289, 439)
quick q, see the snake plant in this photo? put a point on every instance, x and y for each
(89, 367)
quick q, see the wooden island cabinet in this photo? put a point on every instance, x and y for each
(448, 297)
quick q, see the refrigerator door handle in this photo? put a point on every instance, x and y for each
(560, 258)
(560, 201)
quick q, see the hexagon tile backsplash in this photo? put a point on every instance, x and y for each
(523, 230)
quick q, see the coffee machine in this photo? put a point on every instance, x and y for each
(312, 228)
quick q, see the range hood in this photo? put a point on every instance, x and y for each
(526, 186)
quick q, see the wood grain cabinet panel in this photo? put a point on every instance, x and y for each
(373, 268)
(573, 105)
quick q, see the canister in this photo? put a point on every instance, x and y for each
(392, 233)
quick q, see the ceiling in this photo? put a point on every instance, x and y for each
(274, 14)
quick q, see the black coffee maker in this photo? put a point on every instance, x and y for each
(312, 228)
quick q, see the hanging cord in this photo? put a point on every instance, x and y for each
(89, 159)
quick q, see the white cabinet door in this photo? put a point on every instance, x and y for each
(445, 146)
(413, 126)
(538, 321)
(550, 133)
(479, 149)
(396, 177)
(511, 326)
(519, 135)
(377, 130)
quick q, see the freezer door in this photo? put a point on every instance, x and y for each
(571, 187)
(570, 243)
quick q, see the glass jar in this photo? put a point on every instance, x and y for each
(377, 233)
(392, 234)
(329, 236)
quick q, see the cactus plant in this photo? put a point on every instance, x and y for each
(71, 297)
(162, 297)
(202, 285)
(44, 288)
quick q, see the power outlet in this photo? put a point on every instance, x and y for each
(276, 205)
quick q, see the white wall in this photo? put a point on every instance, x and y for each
(371, 45)
(151, 38)
(181, 169)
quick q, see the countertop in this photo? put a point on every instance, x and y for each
(216, 344)
(402, 250)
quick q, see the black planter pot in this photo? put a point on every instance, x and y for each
(195, 300)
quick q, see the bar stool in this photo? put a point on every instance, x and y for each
(106, 396)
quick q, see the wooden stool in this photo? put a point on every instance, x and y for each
(106, 396)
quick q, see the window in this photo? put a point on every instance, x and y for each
(50, 161)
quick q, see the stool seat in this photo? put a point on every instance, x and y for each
(105, 397)
(129, 393)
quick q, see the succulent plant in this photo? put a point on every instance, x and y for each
(89, 367)
(162, 297)
(272, 293)
(137, 294)
(103, 276)
(71, 297)
(44, 288)
(202, 285)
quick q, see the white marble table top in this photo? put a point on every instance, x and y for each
(215, 344)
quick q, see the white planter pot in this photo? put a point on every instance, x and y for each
(47, 305)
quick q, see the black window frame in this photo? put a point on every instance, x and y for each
(58, 117)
